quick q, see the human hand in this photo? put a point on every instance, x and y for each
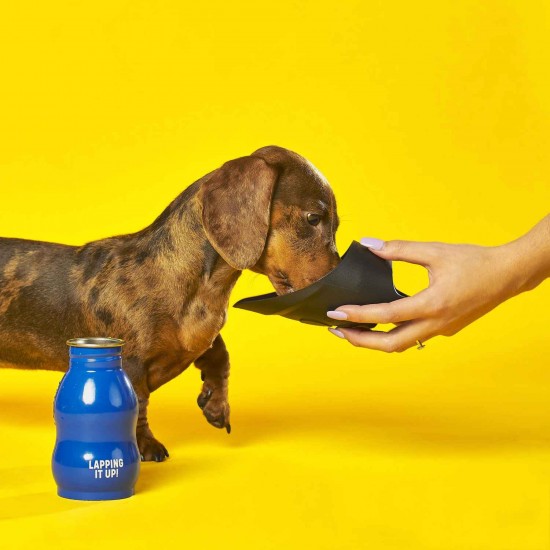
(466, 281)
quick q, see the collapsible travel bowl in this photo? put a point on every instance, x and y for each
(360, 278)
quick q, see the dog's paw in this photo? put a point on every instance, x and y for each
(150, 448)
(215, 408)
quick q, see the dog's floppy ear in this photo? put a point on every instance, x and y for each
(236, 206)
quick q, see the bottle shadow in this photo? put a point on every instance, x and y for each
(25, 502)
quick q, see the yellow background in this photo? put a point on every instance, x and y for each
(430, 119)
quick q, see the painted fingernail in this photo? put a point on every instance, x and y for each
(340, 315)
(336, 332)
(369, 242)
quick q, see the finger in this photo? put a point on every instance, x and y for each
(405, 309)
(396, 340)
(421, 253)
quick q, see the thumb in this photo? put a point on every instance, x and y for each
(420, 253)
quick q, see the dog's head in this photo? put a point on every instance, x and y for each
(272, 212)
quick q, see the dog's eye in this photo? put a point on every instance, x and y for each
(313, 219)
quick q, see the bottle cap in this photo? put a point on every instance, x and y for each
(95, 342)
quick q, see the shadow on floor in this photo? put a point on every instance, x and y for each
(355, 426)
(367, 424)
(392, 425)
(33, 504)
(27, 502)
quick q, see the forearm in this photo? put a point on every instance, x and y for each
(528, 258)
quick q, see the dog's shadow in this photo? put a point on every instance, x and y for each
(392, 424)
(359, 426)
(397, 427)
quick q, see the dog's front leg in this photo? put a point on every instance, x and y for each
(214, 366)
(149, 447)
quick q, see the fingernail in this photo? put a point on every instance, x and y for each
(336, 332)
(369, 242)
(340, 315)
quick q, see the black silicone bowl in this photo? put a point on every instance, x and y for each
(360, 278)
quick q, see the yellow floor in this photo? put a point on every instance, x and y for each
(431, 120)
(332, 447)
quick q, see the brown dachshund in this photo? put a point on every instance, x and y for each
(165, 289)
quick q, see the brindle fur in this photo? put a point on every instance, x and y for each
(165, 289)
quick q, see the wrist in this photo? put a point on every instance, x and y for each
(527, 259)
(506, 263)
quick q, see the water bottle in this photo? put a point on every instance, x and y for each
(96, 456)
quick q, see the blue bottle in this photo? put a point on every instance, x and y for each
(96, 456)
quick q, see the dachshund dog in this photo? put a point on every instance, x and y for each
(165, 289)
